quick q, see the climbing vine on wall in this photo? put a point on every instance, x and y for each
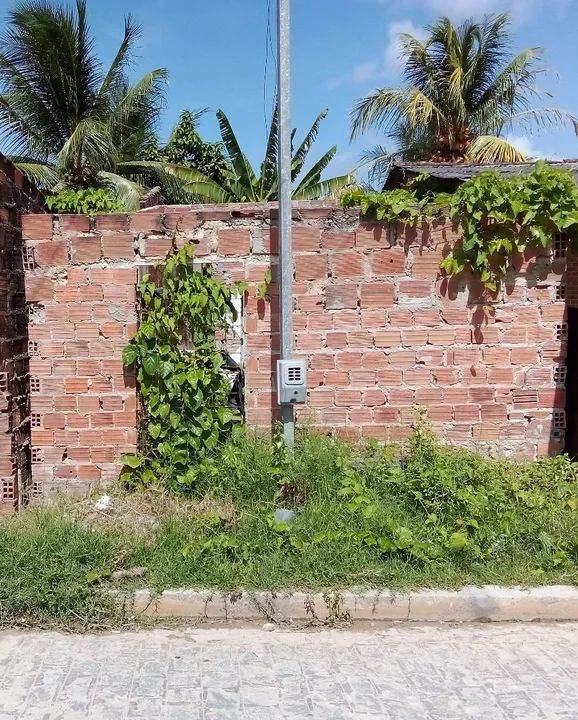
(178, 369)
(497, 216)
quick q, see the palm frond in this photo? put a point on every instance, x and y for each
(127, 192)
(44, 176)
(314, 174)
(487, 149)
(301, 154)
(240, 163)
(323, 188)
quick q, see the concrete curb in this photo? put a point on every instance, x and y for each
(490, 603)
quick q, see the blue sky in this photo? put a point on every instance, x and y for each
(215, 52)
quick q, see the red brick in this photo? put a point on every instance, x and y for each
(417, 376)
(320, 321)
(360, 339)
(402, 358)
(51, 254)
(413, 337)
(373, 398)
(308, 341)
(74, 223)
(348, 360)
(374, 359)
(39, 289)
(389, 261)
(387, 338)
(306, 239)
(37, 227)
(359, 416)
(497, 413)
(347, 265)
(338, 297)
(426, 265)
(112, 222)
(362, 378)
(416, 288)
(158, 247)
(85, 250)
(467, 413)
(346, 319)
(385, 414)
(337, 240)
(501, 375)
(336, 340)
(336, 378)
(377, 295)
(496, 356)
(321, 397)
(373, 319)
(119, 246)
(524, 356)
(347, 398)
(235, 241)
(310, 267)
(322, 361)
(400, 317)
(146, 222)
(370, 237)
(76, 385)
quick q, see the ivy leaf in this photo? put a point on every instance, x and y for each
(131, 461)
(154, 430)
(129, 355)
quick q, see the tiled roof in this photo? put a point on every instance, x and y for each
(463, 171)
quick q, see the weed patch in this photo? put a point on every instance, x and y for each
(355, 515)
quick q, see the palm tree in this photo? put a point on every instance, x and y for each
(242, 184)
(66, 121)
(463, 89)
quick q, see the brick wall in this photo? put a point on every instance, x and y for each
(17, 195)
(381, 329)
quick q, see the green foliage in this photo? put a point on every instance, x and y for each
(178, 369)
(242, 184)
(424, 515)
(90, 201)
(400, 205)
(462, 91)
(186, 149)
(70, 119)
(498, 217)
(48, 567)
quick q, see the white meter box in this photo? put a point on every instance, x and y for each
(291, 381)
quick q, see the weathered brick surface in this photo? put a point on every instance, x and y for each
(17, 195)
(381, 329)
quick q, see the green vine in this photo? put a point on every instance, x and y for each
(498, 217)
(178, 370)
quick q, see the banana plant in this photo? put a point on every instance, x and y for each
(242, 184)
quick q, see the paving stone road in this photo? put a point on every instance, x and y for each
(494, 672)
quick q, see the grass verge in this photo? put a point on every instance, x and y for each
(421, 516)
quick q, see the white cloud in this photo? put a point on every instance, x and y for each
(359, 74)
(526, 146)
(393, 48)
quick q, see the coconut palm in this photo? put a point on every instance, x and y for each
(66, 121)
(463, 89)
(242, 184)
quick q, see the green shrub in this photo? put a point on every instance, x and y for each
(89, 201)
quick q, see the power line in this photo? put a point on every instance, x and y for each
(269, 53)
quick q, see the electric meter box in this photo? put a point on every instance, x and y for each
(291, 381)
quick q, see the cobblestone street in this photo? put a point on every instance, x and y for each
(494, 672)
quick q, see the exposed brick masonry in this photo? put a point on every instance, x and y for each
(17, 195)
(381, 329)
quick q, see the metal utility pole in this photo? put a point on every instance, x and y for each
(284, 171)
